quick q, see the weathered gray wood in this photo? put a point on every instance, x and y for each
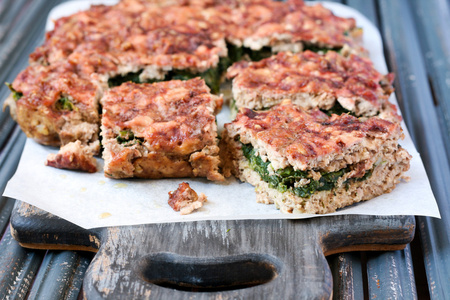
(406, 58)
(7, 21)
(299, 246)
(432, 20)
(296, 249)
(18, 268)
(6, 206)
(347, 276)
(9, 157)
(26, 32)
(60, 275)
(391, 275)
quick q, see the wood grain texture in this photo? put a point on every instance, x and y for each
(391, 274)
(19, 266)
(60, 275)
(416, 99)
(347, 276)
(250, 259)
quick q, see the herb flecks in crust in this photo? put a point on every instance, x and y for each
(65, 104)
(15, 94)
(127, 138)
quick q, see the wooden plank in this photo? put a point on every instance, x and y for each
(22, 40)
(18, 268)
(6, 206)
(9, 20)
(18, 42)
(75, 287)
(9, 159)
(60, 275)
(348, 281)
(391, 275)
(416, 100)
(432, 20)
(299, 263)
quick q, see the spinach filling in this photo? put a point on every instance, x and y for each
(65, 104)
(317, 49)
(15, 94)
(236, 53)
(129, 77)
(285, 179)
(212, 76)
(127, 138)
(337, 109)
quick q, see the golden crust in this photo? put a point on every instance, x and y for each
(302, 139)
(312, 80)
(191, 34)
(140, 35)
(287, 135)
(173, 127)
(257, 24)
(40, 114)
(87, 48)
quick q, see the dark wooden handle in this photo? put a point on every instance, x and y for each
(251, 259)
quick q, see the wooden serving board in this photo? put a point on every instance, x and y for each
(250, 259)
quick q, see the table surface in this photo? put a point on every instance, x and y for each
(417, 50)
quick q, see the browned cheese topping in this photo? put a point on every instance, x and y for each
(339, 77)
(256, 24)
(303, 137)
(176, 117)
(45, 85)
(134, 34)
(52, 97)
(188, 34)
(185, 200)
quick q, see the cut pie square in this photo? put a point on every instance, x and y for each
(330, 81)
(308, 162)
(161, 130)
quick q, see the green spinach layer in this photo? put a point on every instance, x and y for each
(212, 76)
(127, 138)
(65, 104)
(337, 109)
(15, 94)
(284, 179)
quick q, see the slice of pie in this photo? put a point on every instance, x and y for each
(308, 162)
(161, 130)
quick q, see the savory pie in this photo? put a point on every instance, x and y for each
(161, 130)
(308, 162)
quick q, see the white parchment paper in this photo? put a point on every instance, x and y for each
(91, 200)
